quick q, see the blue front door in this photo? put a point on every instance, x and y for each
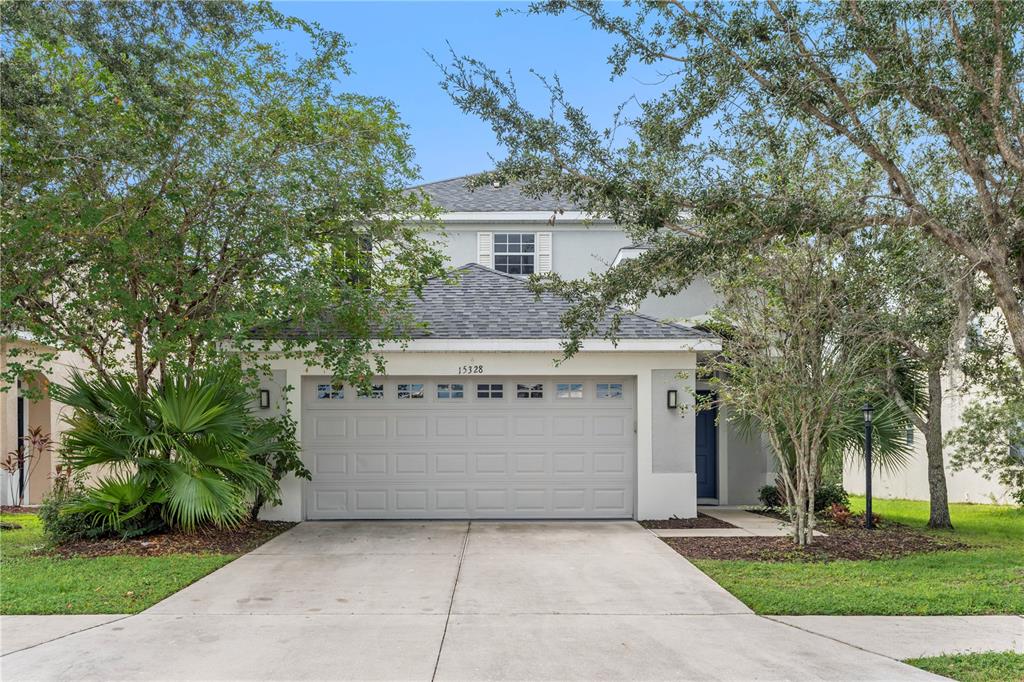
(707, 452)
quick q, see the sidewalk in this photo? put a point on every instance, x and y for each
(903, 637)
(747, 524)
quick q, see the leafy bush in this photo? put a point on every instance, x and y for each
(770, 497)
(180, 455)
(61, 523)
(828, 495)
(773, 497)
(275, 447)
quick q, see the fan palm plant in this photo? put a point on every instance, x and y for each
(183, 449)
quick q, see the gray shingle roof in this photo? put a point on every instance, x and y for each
(454, 196)
(487, 304)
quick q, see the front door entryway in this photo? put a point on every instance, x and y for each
(707, 452)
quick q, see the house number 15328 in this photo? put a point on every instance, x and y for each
(471, 369)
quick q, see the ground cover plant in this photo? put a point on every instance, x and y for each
(981, 667)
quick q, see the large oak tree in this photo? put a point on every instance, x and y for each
(171, 179)
(779, 114)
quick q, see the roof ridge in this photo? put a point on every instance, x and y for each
(668, 324)
(438, 182)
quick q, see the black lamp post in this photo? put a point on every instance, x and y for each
(868, 411)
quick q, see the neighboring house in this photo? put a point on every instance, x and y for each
(477, 419)
(911, 483)
(19, 413)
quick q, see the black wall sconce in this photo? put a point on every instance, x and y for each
(264, 399)
(672, 398)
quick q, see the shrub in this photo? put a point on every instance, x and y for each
(773, 497)
(770, 497)
(180, 455)
(828, 495)
(61, 523)
(839, 513)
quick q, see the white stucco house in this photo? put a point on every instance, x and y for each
(475, 419)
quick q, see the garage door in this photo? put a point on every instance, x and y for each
(486, 447)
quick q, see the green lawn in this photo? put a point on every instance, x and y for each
(988, 578)
(113, 584)
(1001, 667)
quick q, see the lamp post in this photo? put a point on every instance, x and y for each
(868, 411)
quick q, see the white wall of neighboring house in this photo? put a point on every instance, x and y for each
(911, 483)
(46, 413)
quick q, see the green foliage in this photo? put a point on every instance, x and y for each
(275, 446)
(60, 522)
(991, 442)
(824, 497)
(181, 453)
(828, 495)
(981, 667)
(780, 119)
(173, 181)
(770, 497)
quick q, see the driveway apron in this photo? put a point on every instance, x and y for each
(452, 600)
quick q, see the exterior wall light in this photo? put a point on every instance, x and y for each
(672, 399)
(264, 399)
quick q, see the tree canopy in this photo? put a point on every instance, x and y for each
(782, 117)
(173, 180)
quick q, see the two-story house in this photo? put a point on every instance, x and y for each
(476, 418)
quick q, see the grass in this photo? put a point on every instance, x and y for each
(987, 578)
(990, 667)
(110, 584)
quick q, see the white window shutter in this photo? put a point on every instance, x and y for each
(485, 249)
(543, 252)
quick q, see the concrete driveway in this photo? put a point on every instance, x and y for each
(452, 600)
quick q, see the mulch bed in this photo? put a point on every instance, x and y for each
(888, 541)
(702, 521)
(23, 509)
(208, 540)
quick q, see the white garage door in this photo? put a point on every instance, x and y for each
(480, 447)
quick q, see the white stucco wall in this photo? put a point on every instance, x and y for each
(659, 495)
(912, 483)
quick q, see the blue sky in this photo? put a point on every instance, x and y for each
(389, 58)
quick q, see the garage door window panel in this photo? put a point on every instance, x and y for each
(569, 391)
(609, 391)
(450, 391)
(489, 391)
(330, 392)
(410, 391)
(376, 392)
(530, 391)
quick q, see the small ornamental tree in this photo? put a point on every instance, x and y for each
(172, 180)
(796, 358)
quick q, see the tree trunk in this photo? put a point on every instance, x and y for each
(939, 514)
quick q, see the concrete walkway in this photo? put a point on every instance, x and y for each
(747, 524)
(453, 601)
(904, 637)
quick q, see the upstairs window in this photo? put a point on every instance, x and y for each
(514, 253)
